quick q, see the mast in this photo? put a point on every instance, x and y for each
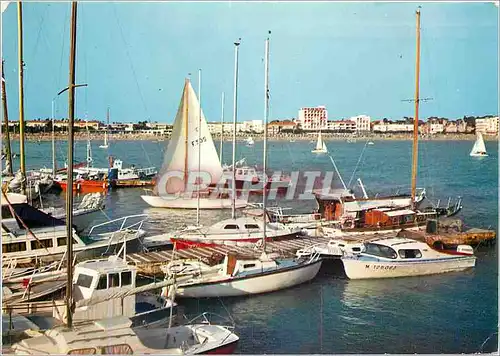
(21, 95)
(266, 117)
(199, 150)
(54, 168)
(8, 152)
(107, 126)
(235, 114)
(69, 190)
(186, 127)
(221, 127)
(415, 121)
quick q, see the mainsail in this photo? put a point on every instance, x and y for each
(320, 144)
(479, 147)
(182, 150)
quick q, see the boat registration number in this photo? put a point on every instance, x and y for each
(381, 267)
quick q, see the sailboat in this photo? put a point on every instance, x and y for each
(105, 145)
(320, 145)
(238, 276)
(249, 141)
(479, 149)
(174, 186)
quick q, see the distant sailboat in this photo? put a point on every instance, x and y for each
(479, 149)
(105, 145)
(181, 159)
(249, 141)
(320, 145)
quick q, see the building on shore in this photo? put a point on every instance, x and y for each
(342, 126)
(488, 125)
(313, 118)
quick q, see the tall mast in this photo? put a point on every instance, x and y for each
(266, 117)
(235, 114)
(54, 168)
(69, 190)
(107, 127)
(415, 121)
(221, 127)
(186, 128)
(8, 152)
(21, 95)
(199, 150)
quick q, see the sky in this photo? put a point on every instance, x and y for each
(353, 58)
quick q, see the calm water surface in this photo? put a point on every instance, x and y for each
(451, 313)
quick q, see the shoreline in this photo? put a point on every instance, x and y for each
(280, 137)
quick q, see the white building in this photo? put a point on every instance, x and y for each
(392, 127)
(487, 126)
(435, 128)
(362, 122)
(313, 119)
(256, 126)
(215, 127)
(342, 126)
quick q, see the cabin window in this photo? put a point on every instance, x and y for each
(126, 278)
(249, 265)
(61, 241)
(231, 227)
(414, 253)
(14, 247)
(251, 226)
(87, 351)
(41, 244)
(122, 349)
(103, 282)
(84, 280)
(113, 280)
(408, 218)
(380, 250)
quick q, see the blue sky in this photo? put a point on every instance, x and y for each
(355, 58)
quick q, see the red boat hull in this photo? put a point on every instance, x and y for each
(87, 186)
(223, 350)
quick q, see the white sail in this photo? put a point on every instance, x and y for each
(479, 149)
(4, 4)
(320, 145)
(182, 150)
(324, 147)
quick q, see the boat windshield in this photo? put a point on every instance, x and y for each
(380, 251)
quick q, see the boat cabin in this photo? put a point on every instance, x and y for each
(18, 242)
(98, 279)
(407, 249)
(388, 217)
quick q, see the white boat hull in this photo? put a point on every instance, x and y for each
(361, 269)
(205, 203)
(263, 283)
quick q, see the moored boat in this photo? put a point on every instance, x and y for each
(401, 257)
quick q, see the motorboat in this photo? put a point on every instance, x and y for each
(117, 336)
(402, 257)
(241, 231)
(32, 235)
(335, 248)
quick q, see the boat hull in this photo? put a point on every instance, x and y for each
(205, 203)
(85, 186)
(246, 285)
(362, 269)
